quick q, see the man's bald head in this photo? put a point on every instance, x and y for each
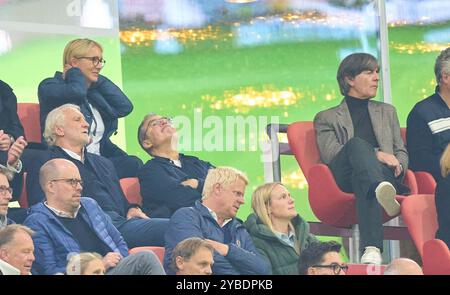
(403, 266)
(52, 170)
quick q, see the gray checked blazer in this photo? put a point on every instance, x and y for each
(334, 127)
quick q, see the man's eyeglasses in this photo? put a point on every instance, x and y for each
(5, 190)
(72, 181)
(158, 122)
(336, 267)
(95, 60)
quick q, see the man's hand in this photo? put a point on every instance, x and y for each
(192, 182)
(391, 161)
(136, 212)
(222, 249)
(111, 260)
(15, 151)
(5, 141)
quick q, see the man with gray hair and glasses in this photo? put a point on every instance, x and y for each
(170, 180)
(5, 197)
(12, 165)
(428, 124)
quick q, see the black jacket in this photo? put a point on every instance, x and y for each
(160, 180)
(9, 121)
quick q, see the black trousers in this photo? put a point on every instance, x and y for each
(357, 170)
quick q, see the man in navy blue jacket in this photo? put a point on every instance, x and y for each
(66, 132)
(66, 223)
(428, 124)
(214, 219)
(170, 180)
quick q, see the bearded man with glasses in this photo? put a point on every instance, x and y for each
(67, 223)
(170, 180)
(99, 99)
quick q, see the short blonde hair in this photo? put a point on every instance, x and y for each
(224, 176)
(261, 201)
(78, 263)
(78, 48)
(445, 161)
(7, 234)
(56, 118)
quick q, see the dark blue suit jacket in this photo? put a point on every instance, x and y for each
(100, 181)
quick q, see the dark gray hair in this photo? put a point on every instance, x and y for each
(352, 66)
(142, 129)
(442, 64)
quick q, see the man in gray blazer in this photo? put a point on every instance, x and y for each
(361, 143)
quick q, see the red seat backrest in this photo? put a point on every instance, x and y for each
(29, 117)
(436, 258)
(159, 251)
(23, 199)
(302, 141)
(132, 189)
(419, 214)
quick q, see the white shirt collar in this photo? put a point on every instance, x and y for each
(74, 155)
(8, 269)
(214, 215)
(62, 213)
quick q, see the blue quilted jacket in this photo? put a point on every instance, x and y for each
(53, 242)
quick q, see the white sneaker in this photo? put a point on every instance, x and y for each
(371, 255)
(385, 194)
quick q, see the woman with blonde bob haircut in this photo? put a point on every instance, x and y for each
(86, 263)
(277, 230)
(442, 198)
(101, 102)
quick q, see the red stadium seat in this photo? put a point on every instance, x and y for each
(330, 205)
(365, 269)
(436, 258)
(419, 215)
(425, 182)
(159, 251)
(132, 189)
(29, 117)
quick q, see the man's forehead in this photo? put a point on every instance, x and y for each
(73, 112)
(3, 180)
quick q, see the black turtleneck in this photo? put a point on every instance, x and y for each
(362, 125)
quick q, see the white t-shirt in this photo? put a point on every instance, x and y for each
(99, 128)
